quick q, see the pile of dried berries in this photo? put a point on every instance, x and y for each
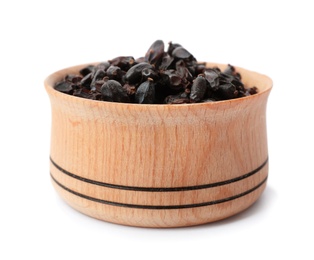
(160, 77)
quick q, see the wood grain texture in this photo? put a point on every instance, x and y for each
(122, 162)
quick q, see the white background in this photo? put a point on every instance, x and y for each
(39, 37)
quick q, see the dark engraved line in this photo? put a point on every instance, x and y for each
(159, 189)
(160, 207)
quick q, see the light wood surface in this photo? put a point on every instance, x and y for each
(159, 165)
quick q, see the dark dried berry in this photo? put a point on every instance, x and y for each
(172, 79)
(227, 91)
(99, 75)
(98, 84)
(172, 46)
(212, 77)
(124, 62)
(200, 68)
(149, 73)
(65, 87)
(87, 80)
(145, 93)
(225, 78)
(134, 74)
(198, 89)
(112, 91)
(103, 66)
(155, 52)
(166, 62)
(114, 72)
(238, 84)
(182, 53)
(183, 71)
(88, 69)
(75, 79)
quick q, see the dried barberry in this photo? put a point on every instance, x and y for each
(87, 80)
(145, 93)
(183, 71)
(182, 53)
(212, 77)
(134, 74)
(99, 75)
(172, 77)
(123, 62)
(114, 72)
(155, 52)
(171, 47)
(198, 89)
(86, 70)
(112, 90)
(65, 87)
(227, 91)
(166, 62)
(102, 66)
(149, 73)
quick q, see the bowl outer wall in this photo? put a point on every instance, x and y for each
(159, 146)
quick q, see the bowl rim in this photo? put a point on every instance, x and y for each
(51, 79)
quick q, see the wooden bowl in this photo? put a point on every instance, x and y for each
(159, 165)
